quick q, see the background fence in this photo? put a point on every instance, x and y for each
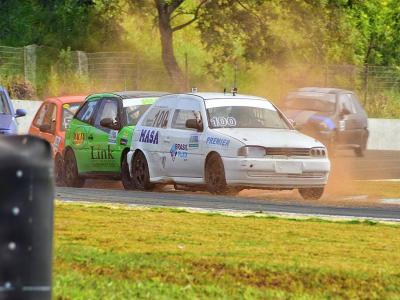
(12, 60)
(104, 71)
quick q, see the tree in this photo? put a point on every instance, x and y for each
(167, 12)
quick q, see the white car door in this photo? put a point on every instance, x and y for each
(185, 153)
(153, 140)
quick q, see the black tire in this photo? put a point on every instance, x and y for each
(311, 193)
(71, 174)
(126, 179)
(215, 176)
(59, 171)
(360, 151)
(140, 170)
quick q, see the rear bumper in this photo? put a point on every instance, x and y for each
(277, 173)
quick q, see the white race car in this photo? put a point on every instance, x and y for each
(224, 142)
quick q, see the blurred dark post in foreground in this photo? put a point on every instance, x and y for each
(26, 218)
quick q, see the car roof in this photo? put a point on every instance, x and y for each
(325, 90)
(66, 99)
(128, 94)
(212, 96)
(139, 94)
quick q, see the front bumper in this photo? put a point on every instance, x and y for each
(279, 173)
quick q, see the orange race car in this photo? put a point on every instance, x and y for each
(50, 123)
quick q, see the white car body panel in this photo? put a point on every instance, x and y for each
(179, 155)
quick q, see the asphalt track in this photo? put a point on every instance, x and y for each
(375, 165)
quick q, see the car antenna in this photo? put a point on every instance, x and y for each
(224, 91)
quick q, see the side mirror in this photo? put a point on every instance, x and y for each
(293, 122)
(109, 123)
(20, 113)
(45, 128)
(195, 124)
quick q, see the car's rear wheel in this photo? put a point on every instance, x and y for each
(215, 176)
(127, 181)
(59, 171)
(360, 151)
(311, 193)
(141, 174)
(72, 178)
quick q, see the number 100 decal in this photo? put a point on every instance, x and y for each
(223, 122)
(161, 119)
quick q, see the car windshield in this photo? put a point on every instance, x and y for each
(135, 108)
(4, 108)
(261, 114)
(311, 101)
(68, 112)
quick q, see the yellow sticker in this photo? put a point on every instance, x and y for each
(79, 137)
(66, 105)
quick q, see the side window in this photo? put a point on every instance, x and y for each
(85, 114)
(346, 103)
(157, 117)
(181, 116)
(46, 116)
(4, 108)
(356, 103)
(52, 117)
(41, 114)
(108, 109)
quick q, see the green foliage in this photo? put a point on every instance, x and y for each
(84, 25)
(17, 87)
(385, 104)
(64, 79)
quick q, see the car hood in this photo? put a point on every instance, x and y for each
(5, 121)
(270, 137)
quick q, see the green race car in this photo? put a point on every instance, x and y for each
(100, 134)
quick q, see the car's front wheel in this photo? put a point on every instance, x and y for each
(72, 178)
(360, 151)
(215, 175)
(311, 193)
(140, 172)
(127, 181)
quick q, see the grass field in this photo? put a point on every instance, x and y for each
(121, 253)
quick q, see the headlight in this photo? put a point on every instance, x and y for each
(318, 152)
(252, 151)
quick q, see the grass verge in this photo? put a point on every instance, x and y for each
(116, 253)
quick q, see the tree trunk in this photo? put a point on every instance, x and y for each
(168, 55)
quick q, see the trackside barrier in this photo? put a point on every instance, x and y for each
(31, 108)
(383, 132)
(26, 218)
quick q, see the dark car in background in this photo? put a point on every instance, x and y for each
(8, 124)
(333, 116)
